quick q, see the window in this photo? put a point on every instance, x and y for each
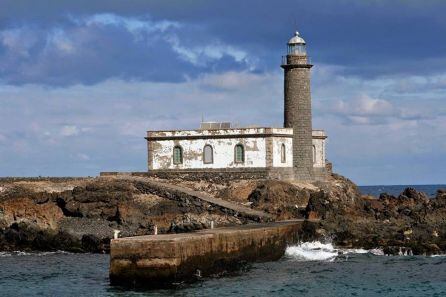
(208, 154)
(314, 154)
(283, 153)
(239, 154)
(177, 155)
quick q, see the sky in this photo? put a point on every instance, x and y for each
(82, 81)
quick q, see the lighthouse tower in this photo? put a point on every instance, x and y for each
(298, 106)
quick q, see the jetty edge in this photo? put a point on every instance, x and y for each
(156, 261)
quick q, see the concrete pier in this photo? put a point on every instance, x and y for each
(162, 260)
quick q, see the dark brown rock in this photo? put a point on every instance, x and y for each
(80, 215)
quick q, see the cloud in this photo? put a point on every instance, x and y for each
(107, 121)
(420, 84)
(235, 81)
(82, 157)
(60, 42)
(364, 106)
(201, 55)
(378, 134)
(18, 41)
(132, 24)
(366, 132)
(379, 101)
(88, 43)
(3, 138)
(362, 111)
(69, 130)
(100, 73)
(94, 48)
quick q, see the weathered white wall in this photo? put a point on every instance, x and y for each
(257, 154)
(223, 153)
(187, 133)
(277, 157)
(319, 146)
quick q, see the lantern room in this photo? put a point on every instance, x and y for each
(296, 45)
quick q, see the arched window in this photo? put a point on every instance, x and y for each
(177, 155)
(282, 153)
(314, 154)
(208, 154)
(239, 154)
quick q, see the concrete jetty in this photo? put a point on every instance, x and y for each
(162, 260)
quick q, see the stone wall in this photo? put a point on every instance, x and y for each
(161, 260)
(216, 175)
(297, 113)
(320, 173)
(42, 179)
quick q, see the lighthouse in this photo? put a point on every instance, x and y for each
(293, 152)
(297, 107)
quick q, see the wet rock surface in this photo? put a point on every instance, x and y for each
(408, 224)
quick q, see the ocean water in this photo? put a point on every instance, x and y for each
(395, 190)
(308, 269)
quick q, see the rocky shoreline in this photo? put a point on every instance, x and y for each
(80, 214)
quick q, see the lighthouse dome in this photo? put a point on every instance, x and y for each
(296, 45)
(296, 39)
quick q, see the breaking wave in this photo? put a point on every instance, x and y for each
(21, 253)
(318, 251)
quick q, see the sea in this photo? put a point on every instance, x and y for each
(430, 190)
(306, 269)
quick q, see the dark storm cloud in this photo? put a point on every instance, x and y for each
(122, 67)
(369, 38)
(91, 49)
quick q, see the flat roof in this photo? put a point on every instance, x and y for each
(226, 133)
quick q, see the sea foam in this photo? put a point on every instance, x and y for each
(318, 251)
(312, 251)
(39, 254)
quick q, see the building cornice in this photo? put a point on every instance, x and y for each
(186, 137)
(231, 136)
(291, 66)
